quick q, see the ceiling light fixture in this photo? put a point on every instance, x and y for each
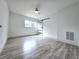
(36, 11)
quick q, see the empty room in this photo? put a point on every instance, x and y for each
(39, 29)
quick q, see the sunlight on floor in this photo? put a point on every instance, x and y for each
(29, 45)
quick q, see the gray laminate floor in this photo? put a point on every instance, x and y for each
(35, 48)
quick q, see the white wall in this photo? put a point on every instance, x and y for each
(4, 23)
(68, 21)
(50, 28)
(16, 26)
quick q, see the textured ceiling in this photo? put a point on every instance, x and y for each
(47, 7)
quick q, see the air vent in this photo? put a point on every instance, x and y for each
(67, 35)
(70, 36)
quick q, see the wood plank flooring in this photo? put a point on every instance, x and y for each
(35, 48)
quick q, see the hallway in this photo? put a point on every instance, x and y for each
(34, 47)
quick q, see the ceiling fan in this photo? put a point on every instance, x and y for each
(42, 20)
(37, 11)
(45, 19)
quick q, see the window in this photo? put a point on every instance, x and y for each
(33, 24)
(27, 23)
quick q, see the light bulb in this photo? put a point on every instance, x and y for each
(36, 12)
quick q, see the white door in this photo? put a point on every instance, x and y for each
(3, 23)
